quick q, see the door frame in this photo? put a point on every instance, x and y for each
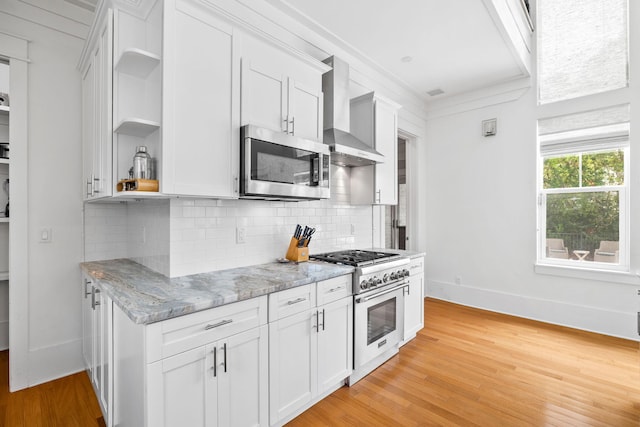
(15, 50)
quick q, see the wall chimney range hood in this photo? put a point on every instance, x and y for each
(346, 149)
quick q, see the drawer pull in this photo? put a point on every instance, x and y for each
(295, 301)
(335, 289)
(215, 325)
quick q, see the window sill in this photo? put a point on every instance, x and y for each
(588, 273)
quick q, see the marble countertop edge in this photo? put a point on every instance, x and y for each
(146, 296)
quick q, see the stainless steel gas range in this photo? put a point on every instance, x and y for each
(379, 285)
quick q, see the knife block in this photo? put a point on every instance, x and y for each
(296, 254)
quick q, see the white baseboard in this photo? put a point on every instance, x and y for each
(50, 363)
(592, 319)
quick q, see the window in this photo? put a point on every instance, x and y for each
(582, 48)
(583, 188)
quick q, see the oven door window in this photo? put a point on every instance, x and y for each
(278, 163)
(381, 320)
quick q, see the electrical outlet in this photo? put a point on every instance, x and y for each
(458, 280)
(241, 234)
(45, 235)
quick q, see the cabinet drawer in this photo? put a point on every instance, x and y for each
(334, 289)
(183, 333)
(291, 301)
(416, 266)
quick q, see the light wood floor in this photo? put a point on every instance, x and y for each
(470, 367)
(68, 402)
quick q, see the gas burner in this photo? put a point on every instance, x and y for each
(355, 257)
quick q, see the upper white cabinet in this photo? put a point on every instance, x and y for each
(97, 113)
(167, 75)
(201, 90)
(374, 120)
(280, 91)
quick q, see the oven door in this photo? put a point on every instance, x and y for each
(378, 322)
(281, 165)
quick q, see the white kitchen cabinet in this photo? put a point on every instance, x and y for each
(201, 89)
(208, 368)
(310, 347)
(374, 120)
(97, 114)
(219, 384)
(97, 345)
(87, 327)
(414, 300)
(279, 92)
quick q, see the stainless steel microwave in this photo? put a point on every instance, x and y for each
(277, 165)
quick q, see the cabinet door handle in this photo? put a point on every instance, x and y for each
(225, 357)
(286, 124)
(96, 180)
(86, 293)
(89, 187)
(94, 302)
(317, 325)
(296, 301)
(293, 125)
(215, 361)
(323, 319)
(215, 325)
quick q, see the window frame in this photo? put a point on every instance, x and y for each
(623, 265)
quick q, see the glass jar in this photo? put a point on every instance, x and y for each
(142, 163)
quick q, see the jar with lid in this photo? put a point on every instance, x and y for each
(142, 163)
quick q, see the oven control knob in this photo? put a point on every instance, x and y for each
(364, 285)
(405, 272)
(394, 276)
(385, 278)
(374, 281)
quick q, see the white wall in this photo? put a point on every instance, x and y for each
(52, 328)
(481, 226)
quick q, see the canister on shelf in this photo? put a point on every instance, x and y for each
(142, 164)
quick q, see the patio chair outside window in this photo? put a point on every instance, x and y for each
(556, 249)
(607, 252)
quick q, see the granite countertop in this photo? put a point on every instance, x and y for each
(147, 296)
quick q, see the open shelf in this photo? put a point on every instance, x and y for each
(139, 195)
(137, 62)
(137, 127)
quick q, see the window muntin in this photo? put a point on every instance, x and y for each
(582, 48)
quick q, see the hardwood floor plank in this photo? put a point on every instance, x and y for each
(472, 367)
(66, 402)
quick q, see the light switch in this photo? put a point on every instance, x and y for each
(489, 127)
(45, 235)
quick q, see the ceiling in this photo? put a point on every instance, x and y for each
(452, 45)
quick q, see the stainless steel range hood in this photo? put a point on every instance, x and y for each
(346, 149)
